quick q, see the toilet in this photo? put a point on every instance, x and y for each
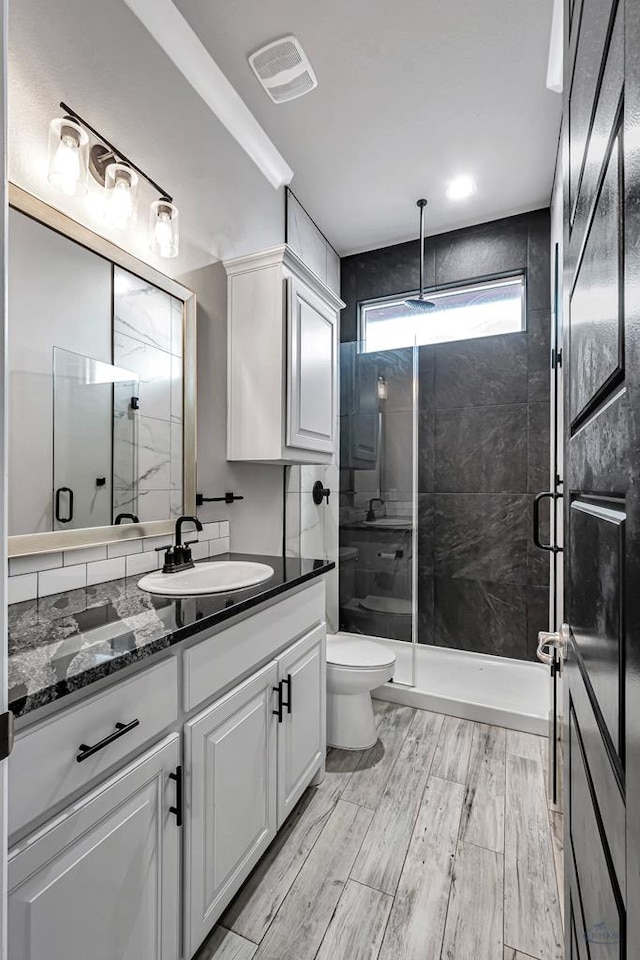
(355, 667)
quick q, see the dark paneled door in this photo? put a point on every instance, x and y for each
(601, 158)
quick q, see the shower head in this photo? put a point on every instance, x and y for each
(420, 303)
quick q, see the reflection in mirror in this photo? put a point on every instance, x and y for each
(94, 440)
(96, 359)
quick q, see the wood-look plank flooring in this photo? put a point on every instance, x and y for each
(438, 843)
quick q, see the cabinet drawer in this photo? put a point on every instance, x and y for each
(43, 768)
(215, 663)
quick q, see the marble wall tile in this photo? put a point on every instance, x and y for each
(176, 389)
(154, 455)
(539, 430)
(537, 617)
(141, 310)
(426, 532)
(481, 616)
(153, 504)
(480, 251)
(471, 373)
(153, 366)
(481, 537)
(426, 377)
(539, 260)
(481, 449)
(426, 451)
(426, 609)
(176, 469)
(397, 451)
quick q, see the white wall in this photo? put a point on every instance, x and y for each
(256, 521)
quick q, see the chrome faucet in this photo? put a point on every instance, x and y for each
(370, 512)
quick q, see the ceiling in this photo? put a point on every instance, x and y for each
(409, 95)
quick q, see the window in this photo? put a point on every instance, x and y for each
(463, 313)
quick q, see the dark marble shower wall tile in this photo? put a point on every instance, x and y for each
(481, 536)
(425, 609)
(482, 449)
(539, 260)
(537, 617)
(426, 377)
(488, 370)
(391, 270)
(481, 251)
(426, 534)
(481, 616)
(539, 430)
(426, 451)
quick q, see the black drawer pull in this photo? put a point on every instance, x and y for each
(121, 728)
(287, 703)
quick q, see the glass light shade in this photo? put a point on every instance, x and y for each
(163, 229)
(68, 157)
(121, 193)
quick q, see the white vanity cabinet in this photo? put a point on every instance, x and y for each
(248, 759)
(102, 880)
(282, 360)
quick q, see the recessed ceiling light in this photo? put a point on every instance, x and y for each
(460, 188)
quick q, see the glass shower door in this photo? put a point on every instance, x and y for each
(378, 515)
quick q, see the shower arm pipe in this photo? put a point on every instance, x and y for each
(422, 204)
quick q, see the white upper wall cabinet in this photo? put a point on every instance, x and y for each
(282, 360)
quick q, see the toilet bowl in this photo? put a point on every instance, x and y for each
(355, 667)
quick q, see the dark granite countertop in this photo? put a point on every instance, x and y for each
(62, 643)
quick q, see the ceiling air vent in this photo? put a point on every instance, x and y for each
(283, 69)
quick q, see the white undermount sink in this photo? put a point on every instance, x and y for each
(217, 577)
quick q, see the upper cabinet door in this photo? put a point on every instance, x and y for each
(301, 733)
(102, 881)
(311, 370)
(231, 798)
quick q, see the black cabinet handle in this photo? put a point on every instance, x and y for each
(86, 751)
(287, 702)
(59, 493)
(278, 711)
(547, 495)
(177, 810)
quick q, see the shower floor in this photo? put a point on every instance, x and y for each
(474, 686)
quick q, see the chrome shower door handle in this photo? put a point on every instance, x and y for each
(550, 641)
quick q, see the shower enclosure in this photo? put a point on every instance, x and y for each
(442, 449)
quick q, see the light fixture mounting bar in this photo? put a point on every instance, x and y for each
(117, 153)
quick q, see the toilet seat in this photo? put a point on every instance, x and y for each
(356, 654)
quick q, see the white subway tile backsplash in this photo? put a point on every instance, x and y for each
(40, 561)
(141, 563)
(24, 587)
(42, 575)
(210, 531)
(64, 578)
(105, 570)
(125, 548)
(85, 555)
(152, 543)
(216, 547)
(200, 550)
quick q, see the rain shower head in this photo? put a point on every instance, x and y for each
(420, 303)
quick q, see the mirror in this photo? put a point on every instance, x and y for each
(101, 388)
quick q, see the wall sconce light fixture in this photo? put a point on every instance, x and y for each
(68, 156)
(70, 160)
(383, 389)
(163, 228)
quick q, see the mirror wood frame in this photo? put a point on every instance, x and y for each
(55, 540)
